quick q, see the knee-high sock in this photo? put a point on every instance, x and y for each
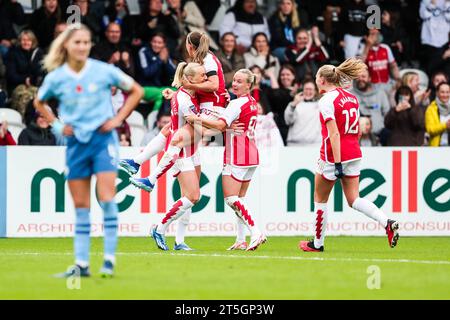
(178, 209)
(182, 226)
(166, 162)
(241, 228)
(82, 239)
(370, 210)
(242, 212)
(110, 221)
(321, 223)
(155, 146)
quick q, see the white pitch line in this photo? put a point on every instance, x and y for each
(249, 256)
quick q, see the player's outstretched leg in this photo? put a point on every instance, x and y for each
(241, 210)
(183, 223)
(316, 244)
(110, 220)
(240, 243)
(155, 146)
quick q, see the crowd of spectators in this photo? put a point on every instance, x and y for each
(404, 95)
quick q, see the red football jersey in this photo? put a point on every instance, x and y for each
(342, 106)
(378, 60)
(213, 67)
(181, 105)
(241, 150)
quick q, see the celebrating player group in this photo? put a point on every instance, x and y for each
(200, 107)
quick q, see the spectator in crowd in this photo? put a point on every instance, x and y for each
(367, 138)
(11, 12)
(6, 138)
(89, 18)
(436, 79)
(308, 54)
(267, 134)
(230, 59)
(280, 97)
(437, 117)
(189, 18)
(154, 21)
(44, 20)
(112, 50)
(59, 28)
(435, 29)
(421, 96)
(3, 94)
(380, 61)
(244, 21)
(353, 24)
(302, 115)
(373, 101)
(282, 25)
(162, 120)
(37, 133)
(24, 71)
(394, 35)
(155, 66)
(124, 133)
(118, 12)
(405, 121)
(259, 55)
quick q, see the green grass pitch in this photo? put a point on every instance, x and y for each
(419, 268)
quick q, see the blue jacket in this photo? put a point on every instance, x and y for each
(152, 70)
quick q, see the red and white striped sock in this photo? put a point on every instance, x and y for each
(166, 162)
(177, 210)
(241, 210)
(321, 223)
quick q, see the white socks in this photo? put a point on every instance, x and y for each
(155, 146)
(166, 162)
(182, 226)
(177, 210)
(370, 210)
(321, 223)
(240, 208)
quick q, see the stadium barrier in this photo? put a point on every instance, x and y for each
(412, 185)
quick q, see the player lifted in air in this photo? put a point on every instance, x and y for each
(340, 154)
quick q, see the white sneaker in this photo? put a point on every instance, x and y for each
(238, 246)
(256, 242)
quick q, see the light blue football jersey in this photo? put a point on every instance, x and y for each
(84, 97)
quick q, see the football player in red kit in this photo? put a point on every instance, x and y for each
(241, 156)
(340, 154)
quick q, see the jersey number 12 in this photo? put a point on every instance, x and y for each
(351, 115)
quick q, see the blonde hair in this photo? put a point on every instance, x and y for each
(407, 77)
(30, 34)
(295, 20)
(342, 75)
(200, 42)
(57, 54)
(184, 70)
(250, 77)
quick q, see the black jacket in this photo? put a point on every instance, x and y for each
(35, 136)
(104, 50)
(278, 29)
(43, 25)
(22, 64)
(10, 13)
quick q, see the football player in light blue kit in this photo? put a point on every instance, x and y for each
(83, 88)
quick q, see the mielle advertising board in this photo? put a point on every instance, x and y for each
(412, 185)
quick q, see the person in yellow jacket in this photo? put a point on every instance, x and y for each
(437, 117)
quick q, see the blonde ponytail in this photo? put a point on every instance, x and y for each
(200, 42)
(57, 54)
(184, 70)
(342, 75)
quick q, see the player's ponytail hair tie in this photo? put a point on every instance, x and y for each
(342, 75)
